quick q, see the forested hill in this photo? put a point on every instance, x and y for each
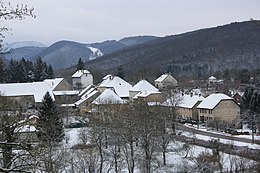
(197, 53)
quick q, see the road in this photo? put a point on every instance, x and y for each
(215, 135)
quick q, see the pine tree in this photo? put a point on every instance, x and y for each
(15, 72)
(80, 65)
(50, 74)
(121, 72)
(49, 125)
(254, 104)
(38, 69)
(246, 98)
(2, 71)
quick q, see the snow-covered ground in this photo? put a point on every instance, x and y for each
(236, 143)
(176, 160)
(224, 141)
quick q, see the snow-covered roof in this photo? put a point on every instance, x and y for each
(189, 101)
(145, 94)
(108, 97)
(86, 96)
(107, 76)
(53, 82)
(61, 93)
(161, 78)
(79, 73)
(212, 78)
(144, 86)
(37, 89)
(196, 91)
(212, 100)
(85, 90)
(120, 86)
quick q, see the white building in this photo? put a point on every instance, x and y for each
(27, 94)
(143, 89)
(116, 84)
(166, 81)
(82, 79)
(108, 97)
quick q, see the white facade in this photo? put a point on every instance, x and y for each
(82, 79)
(166, 81)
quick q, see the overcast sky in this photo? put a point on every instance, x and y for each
(99, 20)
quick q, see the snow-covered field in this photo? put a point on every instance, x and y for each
(180, 156)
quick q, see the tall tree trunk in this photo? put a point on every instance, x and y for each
(101, 158)
(132, 162)
(147, 158)
(7, 156)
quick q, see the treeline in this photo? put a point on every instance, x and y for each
(250, 105)
(18, 71)
(203, 71)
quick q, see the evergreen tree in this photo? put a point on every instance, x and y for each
(80, 65)
(2, 71)
(226, 74)
(26, 66)
(15, 72)
(254, 104)
(247, 97)
(50, 74)
(244, 75)
(250, 104)
(49, 125)
(121, 72)
(39, 70)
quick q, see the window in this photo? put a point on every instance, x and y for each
(203, 111)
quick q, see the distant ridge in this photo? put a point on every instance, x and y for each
(21, 44)
(64, 54)
(197, 53)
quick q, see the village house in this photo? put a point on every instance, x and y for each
(218, 107)
(107, 103)
(66, 97)
(166, 81)
(59, 84)
(212, 80)
(187, 106)
(62, 90)
(81, 79)
(108, 97)
(87, 96)
(29, 95)
(237, 97)
(146, 91)
(116, 84)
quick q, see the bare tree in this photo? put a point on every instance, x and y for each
(10, 11)
(126, 125)
(15, 147)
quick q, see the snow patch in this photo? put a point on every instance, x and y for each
(95, 53)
